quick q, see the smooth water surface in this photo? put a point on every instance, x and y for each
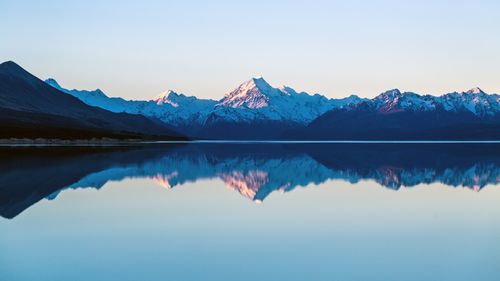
(225, 211)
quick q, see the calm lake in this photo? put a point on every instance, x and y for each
(251, 211)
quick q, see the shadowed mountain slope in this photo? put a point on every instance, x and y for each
(31, 108)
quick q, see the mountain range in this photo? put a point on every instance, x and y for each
(29, 108)
(257, 110)
(253, 110)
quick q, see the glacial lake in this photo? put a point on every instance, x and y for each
(251, 211)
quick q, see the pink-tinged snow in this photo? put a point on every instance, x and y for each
(256, 100)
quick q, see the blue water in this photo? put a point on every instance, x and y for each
(236, 211)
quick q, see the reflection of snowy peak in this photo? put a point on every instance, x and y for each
(256, 176)
(247, 184)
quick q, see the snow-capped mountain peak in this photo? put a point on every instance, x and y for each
(166, 94)
(474, 100)
(254, 93)
(168, 97)
(388, 101)
(261, 84)
(288, 90)
(255, 99)
(81, 94)
(475, 90)
(352, 100)
(390, 95)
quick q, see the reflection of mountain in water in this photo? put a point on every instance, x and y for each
(30, 174)
(253, 175)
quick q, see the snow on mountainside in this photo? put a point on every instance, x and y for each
(94, 98)
(394, 100)
(255, 101)
(254, 93)
(181, 110)
(393, 115)
(170, 107)
(277, 104)
(475, 101)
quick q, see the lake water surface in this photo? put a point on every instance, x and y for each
(251, 211)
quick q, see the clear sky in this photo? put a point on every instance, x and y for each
(137, 49)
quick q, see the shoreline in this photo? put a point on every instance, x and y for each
(118, 142)
(56, 142)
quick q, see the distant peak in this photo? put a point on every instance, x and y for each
(393, 92)
(353, 97)
(52, 82)
(258, 82)
(172, 93)
(253, 93)
(252, 85)
(100, 92)
(9, 63)
(288, 90)
(390, 94)
(14, 69)
(475, 90)
(169, 97)
(166, 94)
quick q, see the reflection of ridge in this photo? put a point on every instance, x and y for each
(29, 174)
(255, 178)
(475, 177)
(246, 184)
(254, 171)
(164, 180)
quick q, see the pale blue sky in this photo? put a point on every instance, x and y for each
(136, 49)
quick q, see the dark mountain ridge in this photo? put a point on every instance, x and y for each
(29, 108)
(368, 122)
